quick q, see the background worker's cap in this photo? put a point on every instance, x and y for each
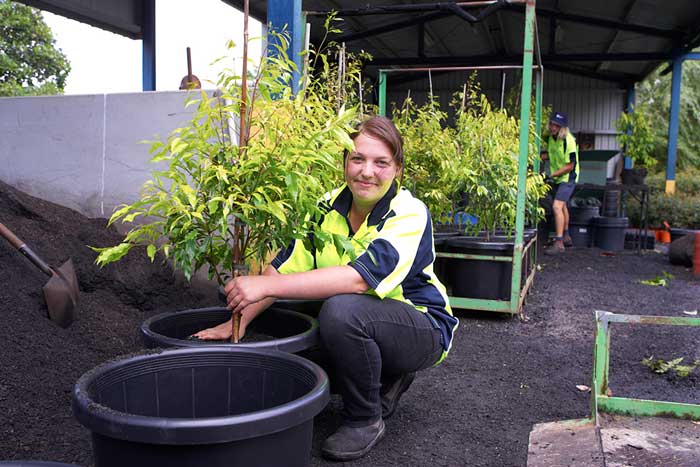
(560, 119)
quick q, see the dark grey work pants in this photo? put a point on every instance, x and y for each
(369, 340)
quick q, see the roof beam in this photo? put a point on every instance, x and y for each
(510, 59)
(384, 28)
(601, 22)
(625, 16)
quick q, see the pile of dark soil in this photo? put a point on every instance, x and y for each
(477, 408)
(39, 361)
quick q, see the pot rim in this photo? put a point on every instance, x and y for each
(205, 430)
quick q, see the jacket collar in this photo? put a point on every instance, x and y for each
(343, 201)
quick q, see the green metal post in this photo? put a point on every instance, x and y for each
(538, 117)
(601, 358)
(526, 95)
(382, 93)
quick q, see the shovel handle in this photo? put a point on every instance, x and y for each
(25, 250)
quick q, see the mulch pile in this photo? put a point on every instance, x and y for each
(477, 408)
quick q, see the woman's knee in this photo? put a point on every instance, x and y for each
(336, 313)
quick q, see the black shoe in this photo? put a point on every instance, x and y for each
(349, 443)
(567, 241)
(391, 393)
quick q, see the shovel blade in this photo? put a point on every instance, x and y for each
(61, 294)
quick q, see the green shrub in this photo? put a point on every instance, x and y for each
(678, 210)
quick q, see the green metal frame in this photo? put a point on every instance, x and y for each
(601, 402)
(517, 295)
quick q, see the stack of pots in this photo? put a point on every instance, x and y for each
(609, 229)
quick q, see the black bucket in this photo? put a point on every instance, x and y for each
(583, 215)
(290, 331)
(581, 233)
(610, 233)
(207, 406)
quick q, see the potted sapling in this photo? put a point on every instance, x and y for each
(224, 202)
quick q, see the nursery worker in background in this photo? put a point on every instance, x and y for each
(386, 314)
(562, 154)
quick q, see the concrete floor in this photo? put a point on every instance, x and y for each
(622, 441)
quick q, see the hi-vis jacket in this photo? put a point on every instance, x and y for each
(395, 253)
(560, 152)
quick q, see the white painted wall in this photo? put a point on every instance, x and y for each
(84, 152)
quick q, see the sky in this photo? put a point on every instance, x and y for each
(103, 62)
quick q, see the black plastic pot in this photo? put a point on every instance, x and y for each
(633, 237)
(679, 233)
(581, 233)
(292, 331)
(307, 307)
(472, 278)
(583, 215)
(610, 233)
(440, 237)
(633, 176)
(207, 406)
(34, 464)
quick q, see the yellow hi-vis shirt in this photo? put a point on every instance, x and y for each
(560, 152)
(395, 253)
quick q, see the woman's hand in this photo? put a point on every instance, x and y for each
(245, 290)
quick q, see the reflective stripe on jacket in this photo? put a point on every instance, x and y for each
(394, 253)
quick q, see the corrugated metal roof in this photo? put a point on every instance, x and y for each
(618, 40)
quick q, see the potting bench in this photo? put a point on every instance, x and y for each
(519, 288)
(620, 429)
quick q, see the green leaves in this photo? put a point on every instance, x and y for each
(635, 135)
(658, 281)
(216, 197)
(30, 64)
(661, 366)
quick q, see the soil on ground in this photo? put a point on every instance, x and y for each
(477, 408)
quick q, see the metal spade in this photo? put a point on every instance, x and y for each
(61, 291)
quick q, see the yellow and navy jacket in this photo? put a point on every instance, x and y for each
(394, 248)
(561, 152)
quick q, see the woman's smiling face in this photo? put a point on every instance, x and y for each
(370, 170)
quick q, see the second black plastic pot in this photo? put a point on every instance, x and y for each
(610, 233)
(291, 331)
(207, 406)
(485, 279)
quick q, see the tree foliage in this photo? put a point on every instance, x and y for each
(218, 200)
(654, 100)
(30, 64)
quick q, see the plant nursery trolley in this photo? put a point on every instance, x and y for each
(620, 430)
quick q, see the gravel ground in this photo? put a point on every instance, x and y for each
(477, 408)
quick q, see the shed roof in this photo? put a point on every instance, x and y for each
(617, 40)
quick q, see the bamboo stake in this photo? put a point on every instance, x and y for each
(242, 143)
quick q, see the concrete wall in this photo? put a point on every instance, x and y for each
(84, 152)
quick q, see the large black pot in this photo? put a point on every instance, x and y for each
(34, 464)
(485, 279)
(291, 331)
(207, 406)
(609, 233)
